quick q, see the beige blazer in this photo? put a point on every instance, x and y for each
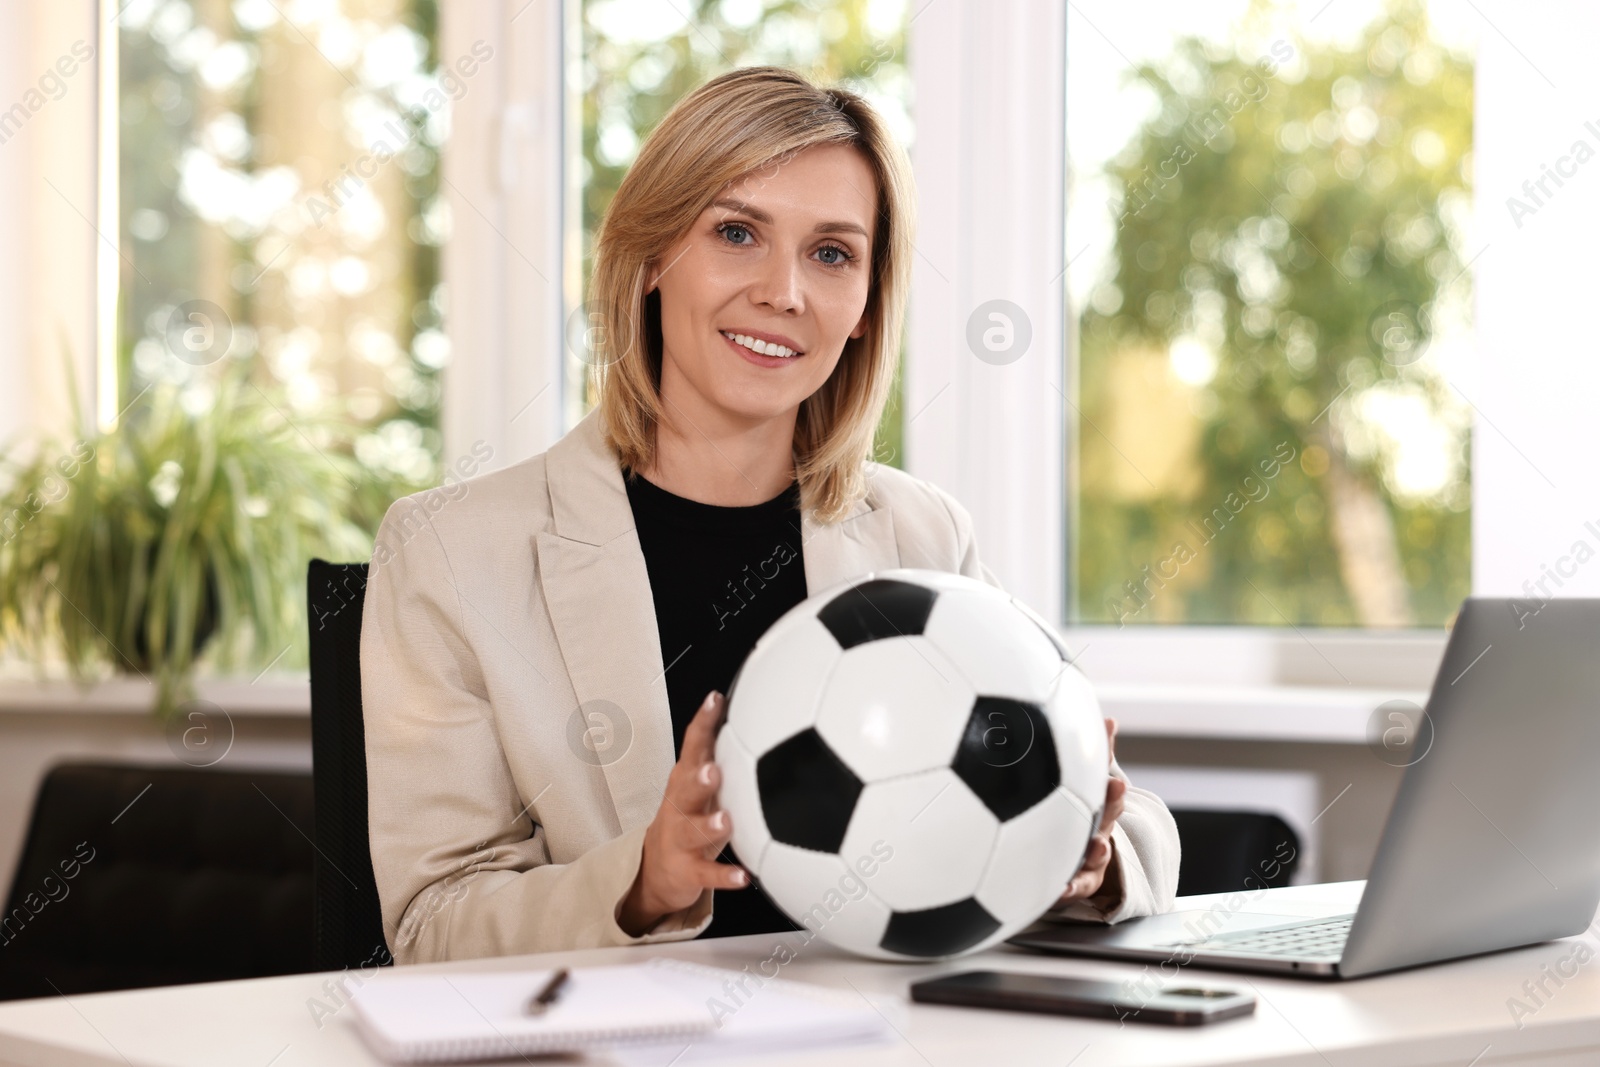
(507, 617)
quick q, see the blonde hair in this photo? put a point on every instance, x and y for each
(728, 128)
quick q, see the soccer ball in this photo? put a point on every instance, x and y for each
(913, 768)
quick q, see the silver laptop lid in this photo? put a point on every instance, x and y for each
(1494, 839)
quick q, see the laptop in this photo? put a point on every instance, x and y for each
(1493, 840)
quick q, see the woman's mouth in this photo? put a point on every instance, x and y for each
(760, 352)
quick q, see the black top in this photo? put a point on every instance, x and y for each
(719, 576)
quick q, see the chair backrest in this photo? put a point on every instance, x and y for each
(1231, 851)
(349, 919)
(137, 876)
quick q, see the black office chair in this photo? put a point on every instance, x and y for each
(136, 876)
(1231, 851)
(349, 919)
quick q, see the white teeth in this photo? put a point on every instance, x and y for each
(759, 346)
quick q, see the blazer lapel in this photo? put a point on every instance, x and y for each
(597, 589)
(598, 593)
(863, 540)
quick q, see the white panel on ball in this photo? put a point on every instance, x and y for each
(998, 649)
(738, 794)
(1050, 631)
(941, 834)
(1035, 857)
(883, 731)
(1078, 728)
(826, 894)
(781, 699)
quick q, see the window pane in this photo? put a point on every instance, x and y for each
(640, 56)
(280, 163)
(1267, 222)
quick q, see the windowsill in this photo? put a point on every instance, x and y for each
(1324, 714)
(1252, 683)
(1216, 658)
(280, 695)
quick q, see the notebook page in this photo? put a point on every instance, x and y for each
(756, 1016)
(447, 1017)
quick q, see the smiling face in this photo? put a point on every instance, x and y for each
(783, 255)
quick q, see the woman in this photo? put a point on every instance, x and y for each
(544, 654)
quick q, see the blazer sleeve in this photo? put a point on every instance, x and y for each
(462, 867)
(1145, 837)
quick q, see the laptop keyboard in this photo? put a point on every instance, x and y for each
(1314, 940)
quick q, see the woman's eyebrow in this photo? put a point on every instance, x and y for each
(766, 219)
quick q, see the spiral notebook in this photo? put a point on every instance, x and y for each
(659, 1007)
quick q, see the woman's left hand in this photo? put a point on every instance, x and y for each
(1098, 880)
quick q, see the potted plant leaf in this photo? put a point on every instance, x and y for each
(185, 529)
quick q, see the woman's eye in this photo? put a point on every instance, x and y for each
(841, 257)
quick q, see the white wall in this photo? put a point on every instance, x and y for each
(1534, 480)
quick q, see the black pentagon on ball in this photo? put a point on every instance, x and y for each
(1007, 755)
(941, 931)
(875, 609)
(807, 792)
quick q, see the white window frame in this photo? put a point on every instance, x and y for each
(503, 267)
(991, 226)
(49, 293)
(996, 437)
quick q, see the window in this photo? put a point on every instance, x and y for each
(640, 56)
(278, 178)
(1267, 227)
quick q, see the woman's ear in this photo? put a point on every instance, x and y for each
(861, 326)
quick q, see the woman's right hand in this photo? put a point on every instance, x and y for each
(682, 843)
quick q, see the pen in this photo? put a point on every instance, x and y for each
(540, 1001)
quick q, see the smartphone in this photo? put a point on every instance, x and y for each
(1177, 1005)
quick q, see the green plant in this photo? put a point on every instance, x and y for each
(184, 529)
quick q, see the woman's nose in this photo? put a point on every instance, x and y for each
(779, 283)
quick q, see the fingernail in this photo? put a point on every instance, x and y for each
(719, 820)
(705, 774)
(706, 703)
(739, 877)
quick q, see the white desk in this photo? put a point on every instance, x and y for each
(1453, 1014)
